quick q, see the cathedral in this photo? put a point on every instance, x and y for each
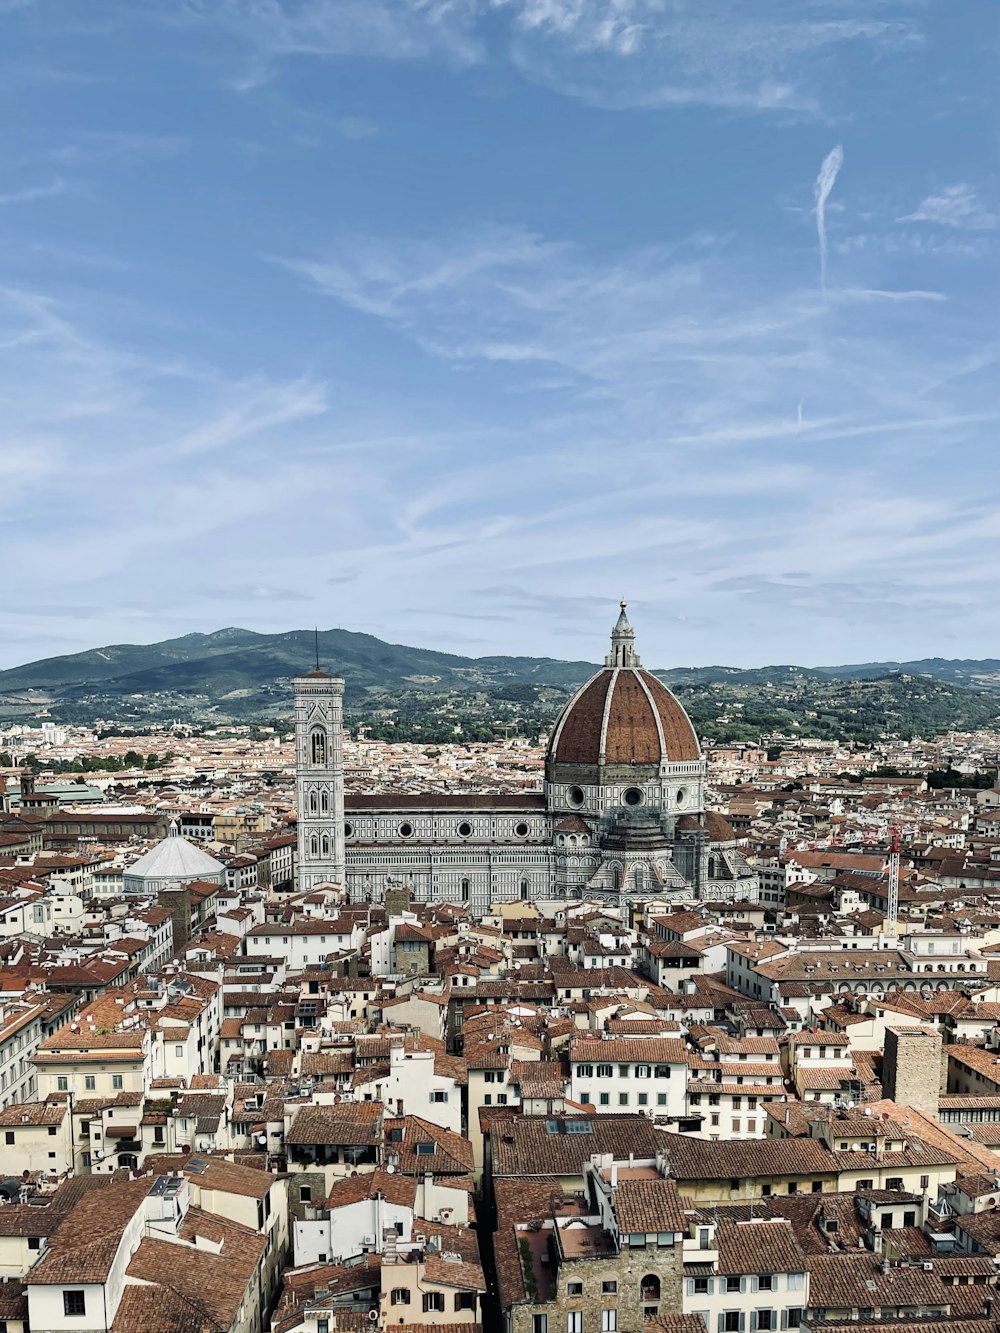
(621, 814)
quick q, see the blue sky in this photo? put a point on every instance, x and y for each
(456, 320)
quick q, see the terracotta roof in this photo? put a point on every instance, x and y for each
(355, 1124)
(760, 1245)
(84, 1247)
(648, 1206)
(396, 1188)
(539, 1145)
(623, 716)
(639, 1050)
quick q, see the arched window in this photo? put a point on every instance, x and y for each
(640, 879)
(314, 845)
(616, 878)
(524, 888)
(465, 890)
(711, 867)
(649, 1288)
(318, 745)
(312, 802)
(324, 803)
(326, 845)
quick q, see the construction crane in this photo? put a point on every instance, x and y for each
(893, 907)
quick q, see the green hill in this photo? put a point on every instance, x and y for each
(238, 675)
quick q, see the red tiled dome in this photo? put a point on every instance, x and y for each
(623, 716)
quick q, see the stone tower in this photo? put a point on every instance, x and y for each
(911, 1067)
(319, 777)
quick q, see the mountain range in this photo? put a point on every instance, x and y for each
(240, 675)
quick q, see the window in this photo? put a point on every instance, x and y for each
(701, 1286)
(179, 1052)
(730, 1321)
(734, 1283)
(400, 1296)
(34, 1242)
(604, 1099)
(425, 1149)
(52, 1131)
(894, 1183)
(764, 1282)
(318, 746)
(322, 1326)
(465, 1300)
(715, 1117)
(305, 1194)
(764, 1320)
(609, 1288)
(585, 1071)
(8, 1137)
(433, 1302)
(539, 1323)
(605, 1071)
(909, 1219)
(574, 1321)
(90, 1083)
(864, 1185)
(74, 1303)
(623, 1099)
(661, 1099)
(662, 1071)
(609, 1321)
(792, 1318)
(437, 1096)
(62, 1083)
(574, 1288)
(117, 1081)
(796, 1281)
(736, 1125)
(643, 1098)
(643, 1071)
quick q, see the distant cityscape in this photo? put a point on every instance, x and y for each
(613, 1031)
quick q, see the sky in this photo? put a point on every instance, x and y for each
(455, 321)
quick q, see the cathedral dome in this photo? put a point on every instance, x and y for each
(623, 718)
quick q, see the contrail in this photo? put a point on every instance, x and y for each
(825, 181)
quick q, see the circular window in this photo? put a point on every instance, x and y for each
(348, 830)
(521, 830)
(680, 796)
(575, 795)
(406, 830)
(632, 796)
(464, 829)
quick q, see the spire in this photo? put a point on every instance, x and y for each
(316, 634)
(623, 652)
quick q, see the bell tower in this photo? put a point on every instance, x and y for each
(319, 777)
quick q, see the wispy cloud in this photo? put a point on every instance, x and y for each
(825, 182)
(955, 206)
(628, 53)
(29, 193)
(92, 146)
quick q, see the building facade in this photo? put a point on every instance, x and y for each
(621, 814)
